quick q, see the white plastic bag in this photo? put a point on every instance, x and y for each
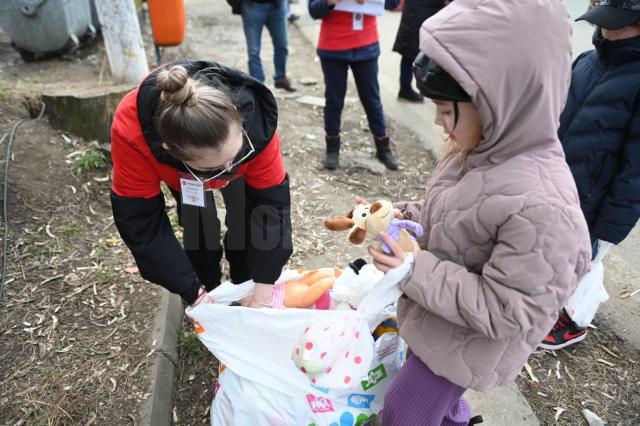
(239, 401)
(583, 305)
(262, 385)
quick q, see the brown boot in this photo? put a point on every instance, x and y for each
(285, 84)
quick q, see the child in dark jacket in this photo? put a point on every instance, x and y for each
(350, 40)
(600, 133)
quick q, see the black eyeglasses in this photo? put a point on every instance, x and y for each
(246, 151)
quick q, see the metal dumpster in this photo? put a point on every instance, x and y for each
(38, 27)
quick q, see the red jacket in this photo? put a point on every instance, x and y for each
(138, 173)
(336, 29)
(337, 33)
(140, 164)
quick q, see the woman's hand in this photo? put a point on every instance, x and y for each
(203, 298)
(396, 212)
(385, 262)
(261, 297)
(333, 2)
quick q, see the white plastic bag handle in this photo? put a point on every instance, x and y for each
(385, 293)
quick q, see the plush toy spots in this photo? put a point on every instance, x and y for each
(331, 353)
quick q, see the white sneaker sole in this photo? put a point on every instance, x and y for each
(563, 345)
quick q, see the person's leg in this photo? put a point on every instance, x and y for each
(406, 70)
(235, 249)
(254, 16)
(365, 73)
(566, 331)
(458, 414)
(291, 17)
(201, 239)
(417, 396)
(406, 75)
(335, 89)
(277, 26)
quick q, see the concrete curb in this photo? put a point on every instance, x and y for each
(157, 409)
(504, 405)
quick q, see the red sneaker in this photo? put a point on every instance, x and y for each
(564, 333)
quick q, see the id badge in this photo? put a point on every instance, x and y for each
(192, 192)
(358, 22)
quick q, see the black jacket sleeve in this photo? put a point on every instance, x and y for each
(146, 230)
(269, 243)
(391, 4)
(319, 9)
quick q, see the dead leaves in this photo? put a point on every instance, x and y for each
(534, 379)
(71, 333)
(596, 376)
(626, 293)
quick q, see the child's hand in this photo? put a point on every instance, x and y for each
(396, 212)
(387, 262)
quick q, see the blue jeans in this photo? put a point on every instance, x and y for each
(365, 74)
(254, 17)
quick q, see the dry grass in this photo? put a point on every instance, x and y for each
(74, 327)
(600, 374)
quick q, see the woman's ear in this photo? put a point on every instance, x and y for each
(338, 223)
(357, 236)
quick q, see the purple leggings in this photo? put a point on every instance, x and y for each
(417, 396)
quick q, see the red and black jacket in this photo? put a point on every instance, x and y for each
(140, 164)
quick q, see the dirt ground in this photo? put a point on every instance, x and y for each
(75, 325)
(600, 374)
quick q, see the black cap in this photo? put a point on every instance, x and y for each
(613, 14)
(434, 82)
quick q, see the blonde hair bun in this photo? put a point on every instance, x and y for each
(176, 86)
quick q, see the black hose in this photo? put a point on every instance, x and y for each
(5, 190)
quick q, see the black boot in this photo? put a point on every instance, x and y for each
(384, 154)
(407, 93)
(333, 152)
(476, 420)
